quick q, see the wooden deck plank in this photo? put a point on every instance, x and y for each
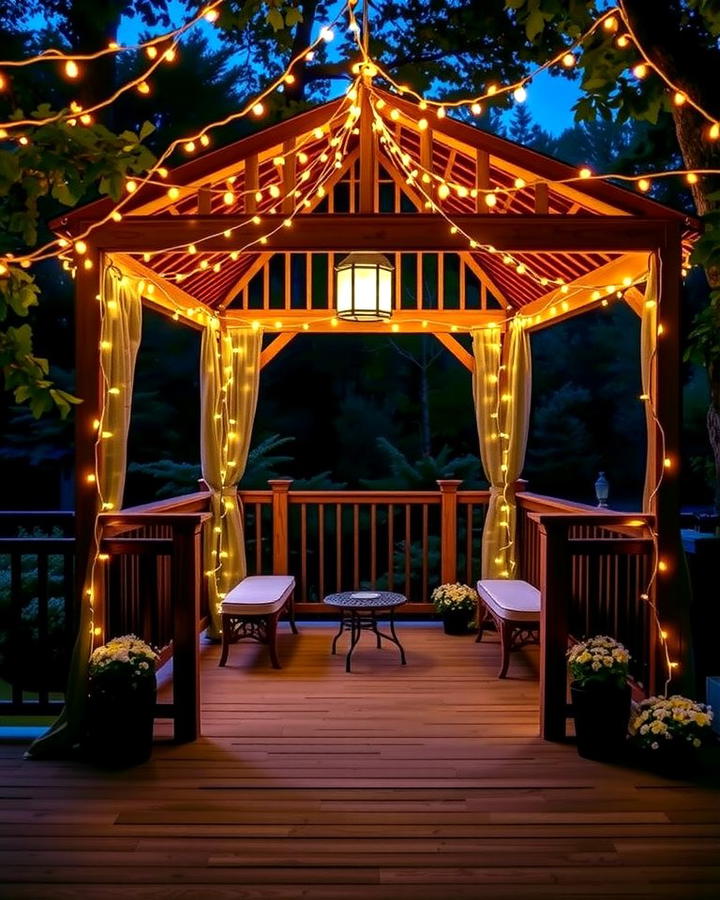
(426, 782)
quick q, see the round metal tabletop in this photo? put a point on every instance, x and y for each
(351, 600)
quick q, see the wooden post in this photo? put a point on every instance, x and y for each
(251, 182)
(280, 488)
(555, 581)
(186, 577)
(89, 387)
(289, 177)
(671, 591)
(448, 529)
(367, 154)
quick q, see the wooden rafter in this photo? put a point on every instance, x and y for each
(457, 350)
(635, 300)
(264, 258)
(168, 298)
(272, 349)
(556, 306)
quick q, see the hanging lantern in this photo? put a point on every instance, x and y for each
(364, 287)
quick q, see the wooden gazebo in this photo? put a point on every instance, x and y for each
(481, 233)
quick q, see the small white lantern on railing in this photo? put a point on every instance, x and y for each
(364, 287)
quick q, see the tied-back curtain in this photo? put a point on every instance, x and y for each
(648, 363)
(120, 330)
(502, 394)
(229, 379)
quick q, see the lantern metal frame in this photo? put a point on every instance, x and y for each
(368, 261)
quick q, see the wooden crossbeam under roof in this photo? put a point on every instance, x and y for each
(551, 230)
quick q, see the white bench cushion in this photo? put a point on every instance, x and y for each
(516, 601)
(258, 595)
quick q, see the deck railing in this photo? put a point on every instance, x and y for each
(331, 541)
(38, 615)
(591, 565)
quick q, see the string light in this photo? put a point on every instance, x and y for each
(50, 250)
(73, 72)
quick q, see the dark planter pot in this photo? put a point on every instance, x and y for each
(601, 713)
(672, 760)
(456, 622)
(120, 724)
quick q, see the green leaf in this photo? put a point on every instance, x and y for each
(275, 19)
(534, 24)
(293, 16)
(146, 130)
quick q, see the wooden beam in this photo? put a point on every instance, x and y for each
(251, 182)
(168, 297)
(289, 180)
(204, 201)
(556, 307)
(367, 154)
(635, 300)
(272, 350)
(404, 232)
(409, 321)
(542, 198)
(482, 179)
(457, 350)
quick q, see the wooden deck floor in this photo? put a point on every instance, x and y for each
(426, 782)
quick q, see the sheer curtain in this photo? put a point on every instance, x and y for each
(502, 388)
(229, 379)
(121, 324)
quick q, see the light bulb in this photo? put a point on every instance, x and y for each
(520, 94)
(568, 60)
(71, 69)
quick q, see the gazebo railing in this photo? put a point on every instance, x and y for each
(330, 541)
(591, 565)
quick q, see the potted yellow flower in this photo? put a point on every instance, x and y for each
(121, 702)
(457, 604)
(667, 732)
(600, 696)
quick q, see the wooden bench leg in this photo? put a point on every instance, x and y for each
(505, 637)
(291, 613)
(483, 618)
(272, 621)
(226, 627)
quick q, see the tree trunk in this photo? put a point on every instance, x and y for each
(93, 24)
(295, 92)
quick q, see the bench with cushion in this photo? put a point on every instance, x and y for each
(252, 609)
(514, 607)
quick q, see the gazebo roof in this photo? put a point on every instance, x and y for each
(264, 175)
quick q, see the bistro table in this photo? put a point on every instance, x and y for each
(359, 611)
